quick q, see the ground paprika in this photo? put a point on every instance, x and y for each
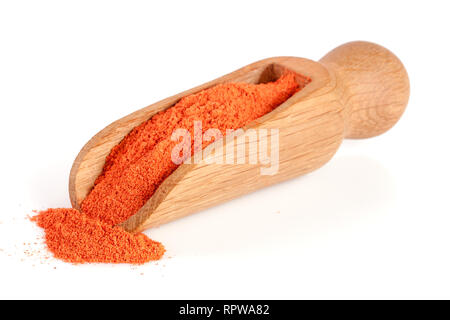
(139, 164)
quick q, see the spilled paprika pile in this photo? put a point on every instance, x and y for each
(139, 164)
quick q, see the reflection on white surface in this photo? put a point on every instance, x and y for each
(286, 216)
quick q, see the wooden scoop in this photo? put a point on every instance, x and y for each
(358, 90)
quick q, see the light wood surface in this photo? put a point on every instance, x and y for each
(358, 90)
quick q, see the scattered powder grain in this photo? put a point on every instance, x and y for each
(139, 164)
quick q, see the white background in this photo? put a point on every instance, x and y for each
(373, 223)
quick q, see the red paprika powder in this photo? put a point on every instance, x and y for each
(139, 164)
(74, 237)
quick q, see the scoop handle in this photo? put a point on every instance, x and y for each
(373, 86)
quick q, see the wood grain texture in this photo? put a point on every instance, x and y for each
(373, 85)
(358, 90)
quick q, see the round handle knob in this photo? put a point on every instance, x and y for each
(373, 85)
